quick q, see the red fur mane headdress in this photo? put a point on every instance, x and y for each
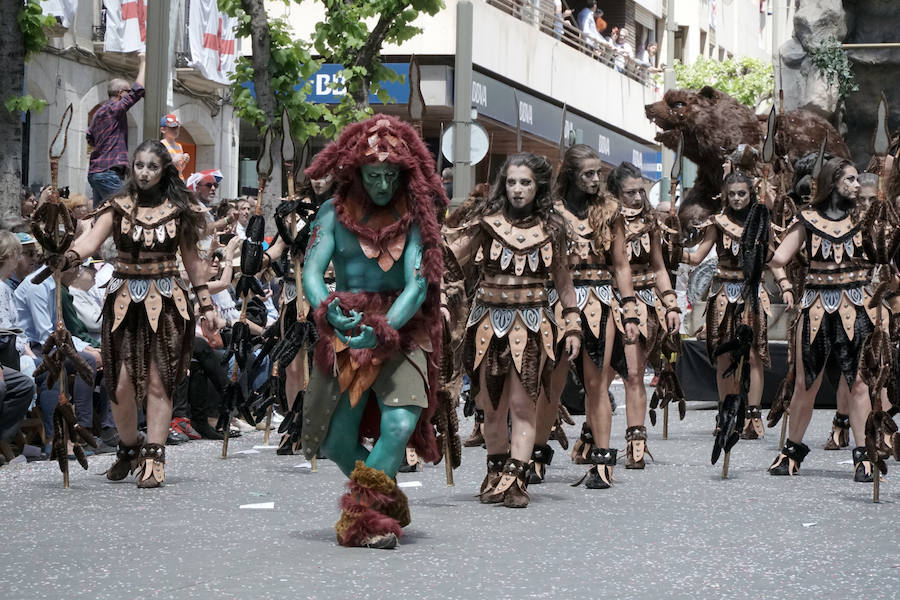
(421, 194)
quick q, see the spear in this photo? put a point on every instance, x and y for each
(251, 263)
(54, 229)
(673, 239)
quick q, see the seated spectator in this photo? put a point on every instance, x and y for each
(244, 208)
(16, 393)
(36, 310)
(10, 251)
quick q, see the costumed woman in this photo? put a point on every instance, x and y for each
(725, 307)
(597, 257)
(296, 330)
(509, 349)
(377, 357)
(658, 312)
(835, 314)
(148, 320)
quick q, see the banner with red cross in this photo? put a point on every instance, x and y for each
(212, 40)
(126, 26)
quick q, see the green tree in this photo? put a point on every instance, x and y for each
(747, 80)
(280, 61)
(21, 36)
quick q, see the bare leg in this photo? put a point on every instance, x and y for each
(724, 385)
(159, 409)
(496, 434)
(803, 399)
(635, 392)
(754, 397)
(596, 391)
(124, 409)
(295, 378)
(547, 413)
(859, 405)
(522, 414)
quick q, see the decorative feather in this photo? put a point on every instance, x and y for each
(729, 423)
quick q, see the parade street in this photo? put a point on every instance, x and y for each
(674, 530)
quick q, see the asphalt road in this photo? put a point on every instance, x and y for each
(674, 530)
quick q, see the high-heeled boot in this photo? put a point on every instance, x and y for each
(511, 488)
(152, 464)
(599, 476)
(753, 426)
(840, 432)
(495, 464)
(541, 456)
(477, 437)
(582, 448)
(636, 439)
(788, 461)
(127, 459)
(862, 466)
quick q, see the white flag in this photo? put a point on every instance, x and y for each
(212, 40)
(126, 26)
(64, 10)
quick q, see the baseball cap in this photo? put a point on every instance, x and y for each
(169, 120)
(25, 238)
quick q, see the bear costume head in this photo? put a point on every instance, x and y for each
(714, 124)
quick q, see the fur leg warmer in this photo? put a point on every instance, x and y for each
(373, 506)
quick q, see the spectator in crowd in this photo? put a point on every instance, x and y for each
(205, 184)
(623, 49)
(244, 207)
(10, 252)
(600, 22)
(588, 26)
(108, 136)
(36, 310)
(559, 19)
(648, 55)
(447, 181)
(80, 207)
(27, 202)
(16, 392)
(170, 127)
(26, 262)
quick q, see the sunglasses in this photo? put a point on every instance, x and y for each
(209, 185)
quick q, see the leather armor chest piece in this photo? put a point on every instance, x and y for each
(639, 227)
(728, 243)
(520, 249)
(146, 228)
(831, 241)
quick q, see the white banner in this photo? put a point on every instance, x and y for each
(64, 10)
(126, 26)
(212, 40)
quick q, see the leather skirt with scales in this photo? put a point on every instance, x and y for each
(725, 310)
(510, 329)
(146, 322)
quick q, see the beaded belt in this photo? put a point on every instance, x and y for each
(729, 274)
(148, 270)
(511, 295)
(837, 277)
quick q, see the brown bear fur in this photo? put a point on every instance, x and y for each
(714, 123)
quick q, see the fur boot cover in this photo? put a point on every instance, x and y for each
(373, 506)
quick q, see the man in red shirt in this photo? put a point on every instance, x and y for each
(108, 136)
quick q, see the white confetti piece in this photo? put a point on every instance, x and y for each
(265, 447)
(409, 484)
(303, 465)
(846, 462)
(247, 452)
(813, 524)
(259, 506)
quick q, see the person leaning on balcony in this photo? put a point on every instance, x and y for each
(588, 26)
(108, 135)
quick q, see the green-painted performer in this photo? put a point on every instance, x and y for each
(376, 361)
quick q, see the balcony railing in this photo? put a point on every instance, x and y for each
(542, 15)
